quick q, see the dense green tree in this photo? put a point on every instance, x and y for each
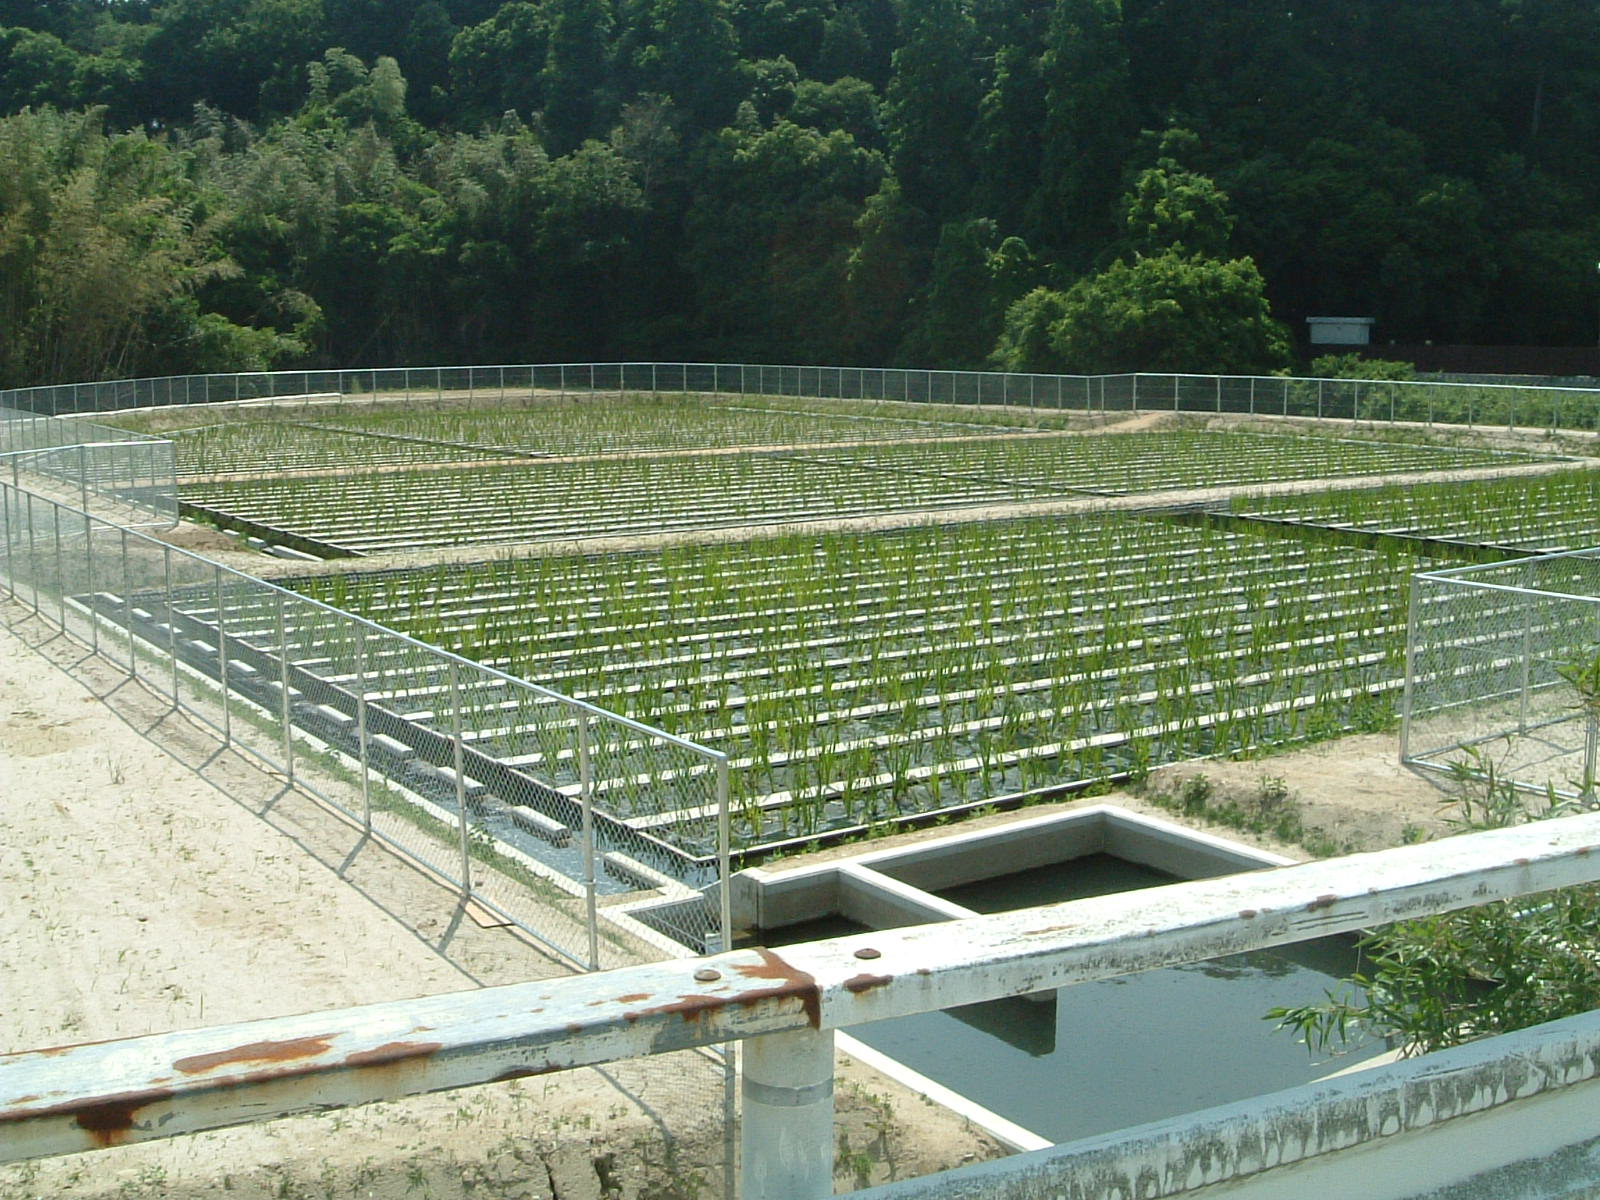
(845, 50)
(692, 55)
(246, 57)
(36, 69)
(1009, 140)
(496, 66)
(846, 104)
(1026, 342)
(1171, 312)
(1358, 174)
(1089, 129)
(975, 278)
(883, 273)
(577, 73)
(103, 247)
(1173, 209)
(930, 108)
(768, 258)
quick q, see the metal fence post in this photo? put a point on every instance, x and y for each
(586, 794)
(83, 477)
(786, 1137)
(89, 588)
(61, 570)
(222, 660)
(461, 779)
(283, 696)
(171, 614)
(33, 555)
(127, 609)
(361, 728)
(10, 580)
(1527, 648)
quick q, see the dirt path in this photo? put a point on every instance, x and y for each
(149, 884)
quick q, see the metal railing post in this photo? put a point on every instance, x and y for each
(786, 1137)
(461, 779)
(586, 794)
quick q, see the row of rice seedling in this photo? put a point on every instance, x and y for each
(582, 425)
(848, 691)
(579, 499)
(1121, 463)
(279, 446)
(649, 494)
(1560, 511)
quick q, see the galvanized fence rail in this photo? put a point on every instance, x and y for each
(1379, 401)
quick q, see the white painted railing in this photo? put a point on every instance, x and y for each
(786, 1006)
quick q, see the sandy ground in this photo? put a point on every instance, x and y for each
(148, 883)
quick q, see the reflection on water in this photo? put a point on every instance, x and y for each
(1117, 1052)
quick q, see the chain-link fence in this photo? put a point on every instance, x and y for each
(543, 809)
(126, 478)
(1503, 674)
(1419, 401)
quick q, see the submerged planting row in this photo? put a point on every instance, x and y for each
(1540, 513)
(849, 691)
(651, 494)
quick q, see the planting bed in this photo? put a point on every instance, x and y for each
(276, 446)
(1146, 462)
(226, 440)
(585, 498)
(1546, 513)
(849, 691)
(597, 424)
(650, 494)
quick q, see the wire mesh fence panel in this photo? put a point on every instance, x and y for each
(659, 826)
(519, 783)
(1504, 673)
